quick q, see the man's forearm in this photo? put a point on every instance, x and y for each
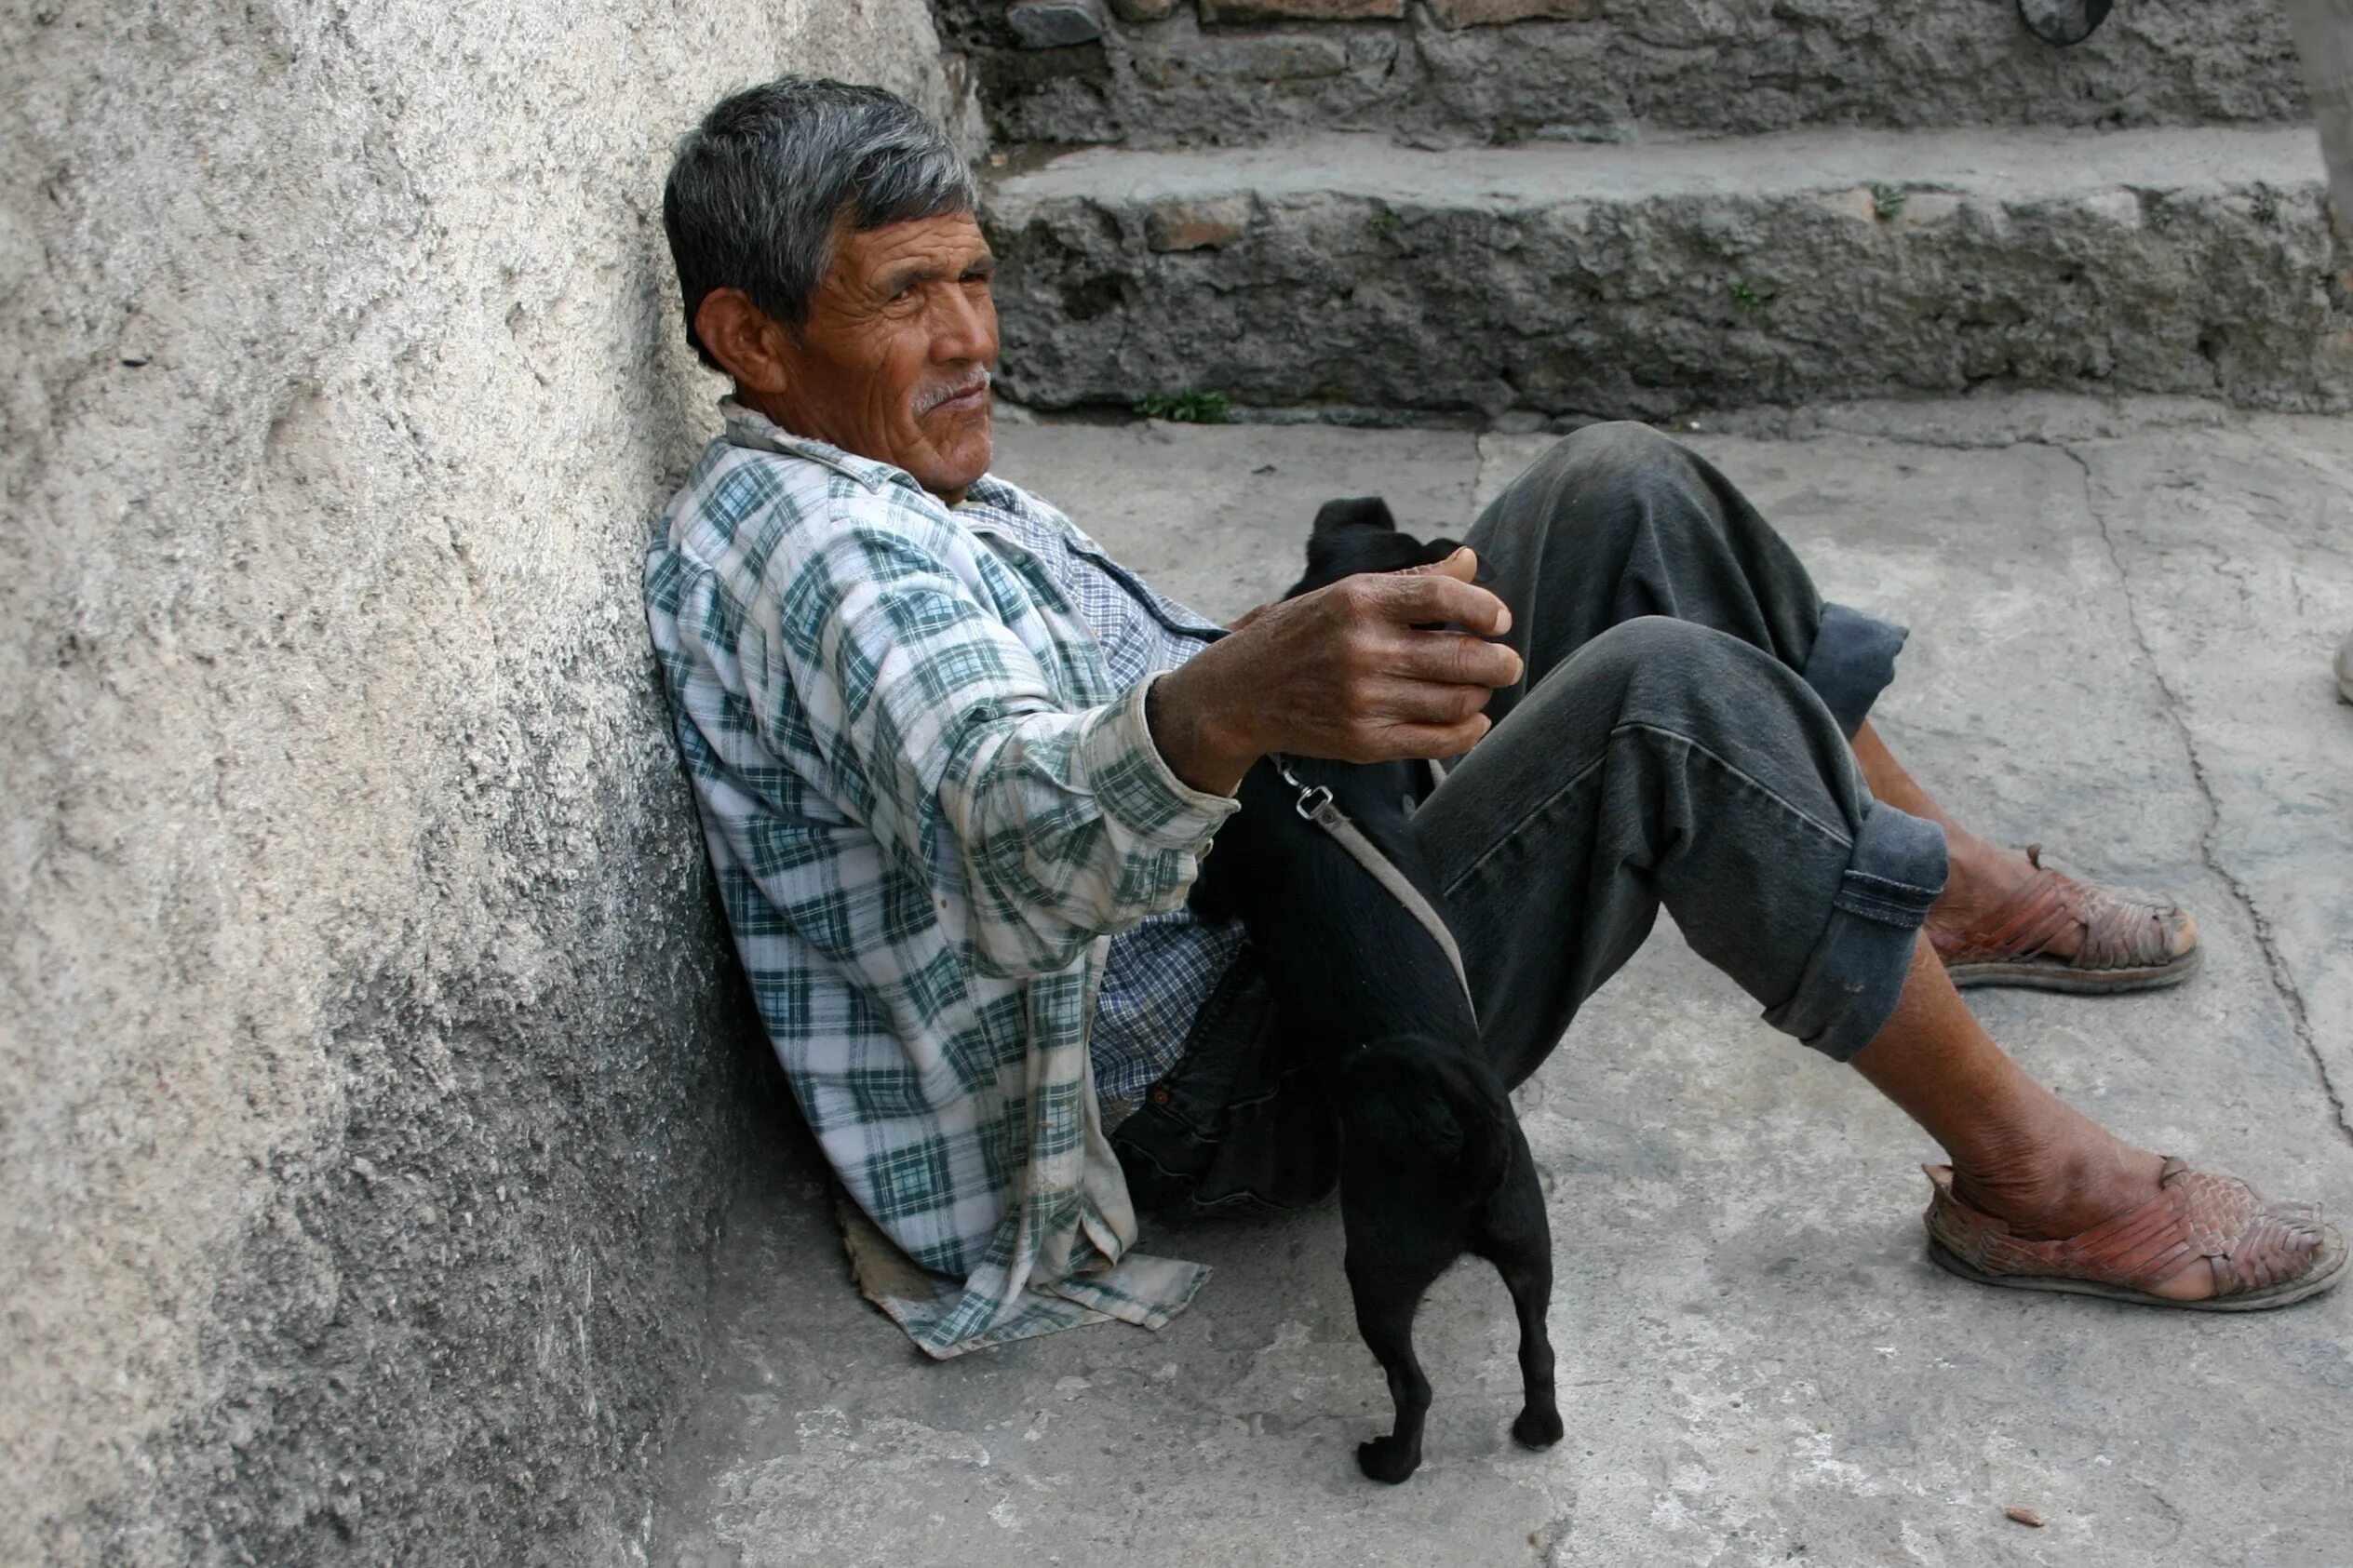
(1198, 740)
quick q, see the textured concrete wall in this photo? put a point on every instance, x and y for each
(372, 1080)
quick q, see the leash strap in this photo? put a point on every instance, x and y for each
(1315, 805)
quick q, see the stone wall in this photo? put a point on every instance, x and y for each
(1352, 280)
(1163, 73)
(372, 1081)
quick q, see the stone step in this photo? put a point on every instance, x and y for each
(1236, 72)
(1348, 278)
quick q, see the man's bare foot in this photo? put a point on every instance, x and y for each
(1985, 877)
(2076, 1175)
(2039, 1195)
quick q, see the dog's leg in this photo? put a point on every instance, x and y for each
(1530, 1282)
(1518, 1240)
(1385, 1303)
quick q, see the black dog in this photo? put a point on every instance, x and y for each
(1433, 1163)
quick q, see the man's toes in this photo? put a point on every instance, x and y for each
(2184, 935)
(2279, 1245)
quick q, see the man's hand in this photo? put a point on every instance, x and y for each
(1341, 673)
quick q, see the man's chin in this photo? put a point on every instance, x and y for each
(964, 438)
(959, 454)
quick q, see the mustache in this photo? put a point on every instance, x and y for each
(932, 398)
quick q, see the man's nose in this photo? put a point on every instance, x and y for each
(965, 329)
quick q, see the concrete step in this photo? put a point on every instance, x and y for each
(1352, 279)
(1604, 70)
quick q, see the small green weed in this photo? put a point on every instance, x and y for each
(1744, 295)
(1188, 406)
(1887, 202)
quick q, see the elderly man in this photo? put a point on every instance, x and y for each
(957, 768)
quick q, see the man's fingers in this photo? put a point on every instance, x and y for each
(1458, 658)
(1419, 741)
(1401, 699)
(1439, 593)
(1462, 565)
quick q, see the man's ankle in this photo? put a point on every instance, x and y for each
(2063, 1187)
(1981, 875)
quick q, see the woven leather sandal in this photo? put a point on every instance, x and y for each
(2249, 1245)
(2127, 946)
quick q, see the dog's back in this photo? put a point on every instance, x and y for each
(1353, 963)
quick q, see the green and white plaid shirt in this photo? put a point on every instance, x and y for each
(928, 809)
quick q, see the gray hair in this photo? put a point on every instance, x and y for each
(757, 190)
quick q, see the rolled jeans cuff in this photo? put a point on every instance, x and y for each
(1856, 972)
(1852, 660)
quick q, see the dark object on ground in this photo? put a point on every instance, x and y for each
(1433, 1163)
(2063, 22)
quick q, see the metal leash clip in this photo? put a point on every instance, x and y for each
(1312, 798)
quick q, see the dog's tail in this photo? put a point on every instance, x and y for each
(1418, 1109)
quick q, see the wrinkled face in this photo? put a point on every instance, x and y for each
(895, 360)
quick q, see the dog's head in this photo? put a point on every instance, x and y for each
(1358, 534)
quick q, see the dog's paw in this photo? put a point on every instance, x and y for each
(1386, 1460)
(1538, 1428)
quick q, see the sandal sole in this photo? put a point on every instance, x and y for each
(2326, 1273)
(2057, 975)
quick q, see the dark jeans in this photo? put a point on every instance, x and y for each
(1680, 738)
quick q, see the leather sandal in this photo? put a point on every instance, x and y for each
(2127, 943)
(2249, 1244)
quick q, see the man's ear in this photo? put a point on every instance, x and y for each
(749, 343)
(1361, 512)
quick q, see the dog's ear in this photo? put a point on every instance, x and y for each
(1357, 512)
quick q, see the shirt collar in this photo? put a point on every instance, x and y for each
(748, 427)
(992, 492)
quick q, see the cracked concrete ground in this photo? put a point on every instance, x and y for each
(2121, 622)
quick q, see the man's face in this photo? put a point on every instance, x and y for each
(896, 359)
